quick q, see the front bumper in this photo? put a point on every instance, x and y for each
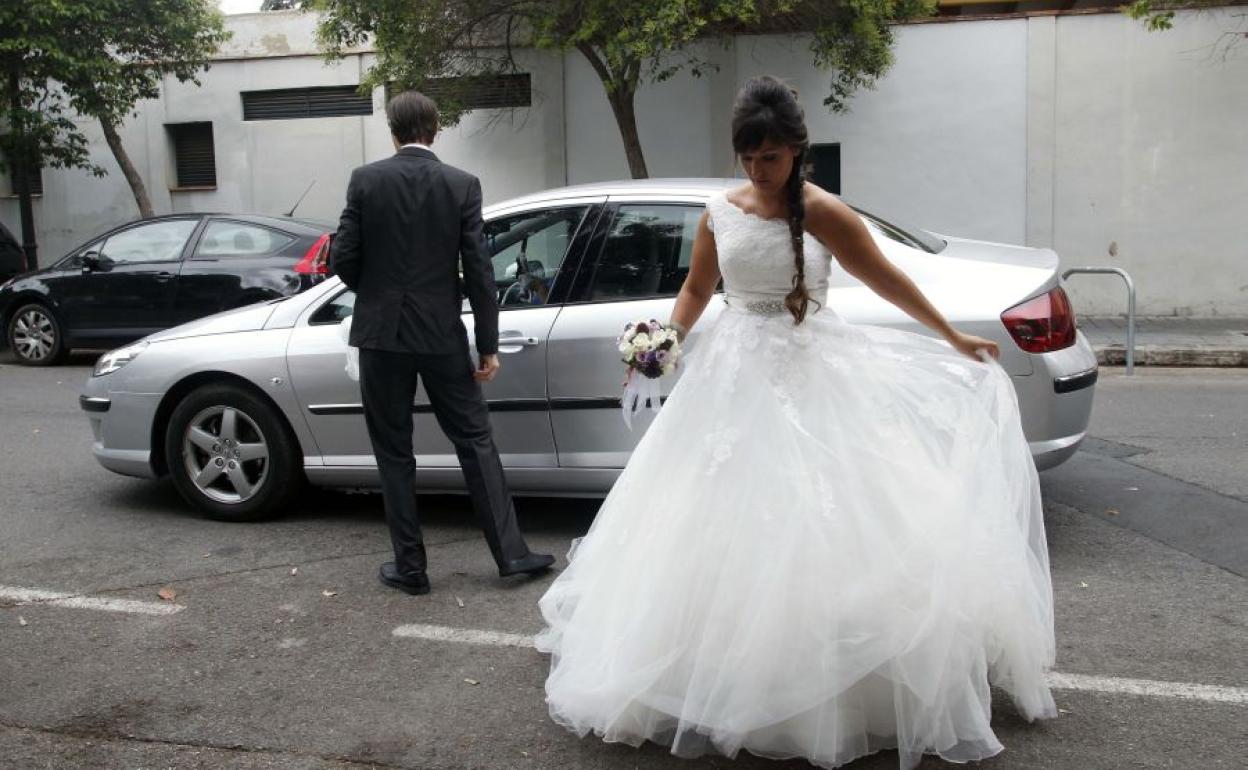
(121, 427)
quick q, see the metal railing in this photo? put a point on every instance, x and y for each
(1118, 271)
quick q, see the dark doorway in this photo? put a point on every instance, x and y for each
(823, 166)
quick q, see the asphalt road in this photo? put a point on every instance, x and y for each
(284, 652)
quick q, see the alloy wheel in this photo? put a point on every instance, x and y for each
(34, 334)
(226, 454)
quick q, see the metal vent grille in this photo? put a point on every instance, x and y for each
(34, 178)
(316, 102)
(482, 92)
(194, 154)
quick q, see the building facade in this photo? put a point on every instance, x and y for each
(1076, 131)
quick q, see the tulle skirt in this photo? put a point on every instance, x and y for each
(829, 542)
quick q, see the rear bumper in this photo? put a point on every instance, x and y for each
(1072, 382)
(1055, 402)
(1052, 453)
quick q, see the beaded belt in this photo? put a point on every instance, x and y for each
(759, 306)
(767, 306)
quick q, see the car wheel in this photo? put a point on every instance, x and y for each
(231, 454)
(35, 336)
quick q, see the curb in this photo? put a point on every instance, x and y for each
(1149, 355)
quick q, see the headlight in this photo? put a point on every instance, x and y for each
(115, 359)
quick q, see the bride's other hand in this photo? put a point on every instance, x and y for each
(969, 345)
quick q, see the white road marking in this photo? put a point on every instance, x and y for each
(79, 602)
(464, 636)
(1149, 687)
(1058, 681)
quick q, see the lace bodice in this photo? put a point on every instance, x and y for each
(756, 255)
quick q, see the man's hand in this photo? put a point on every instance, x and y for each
(486, 369)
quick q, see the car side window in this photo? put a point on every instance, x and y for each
(528, 251)
(335, 311)
(155, 242)
(75, 258)
(238, 239)
(647, 252)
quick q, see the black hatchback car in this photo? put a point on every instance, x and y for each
(155, 273)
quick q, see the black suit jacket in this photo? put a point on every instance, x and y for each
(409, 223)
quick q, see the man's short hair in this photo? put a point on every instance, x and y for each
(413, 117)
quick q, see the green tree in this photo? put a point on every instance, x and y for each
(627, 42)
(1158, 16)
(95, 59)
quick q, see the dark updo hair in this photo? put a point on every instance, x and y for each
(413, 117)
(767, 109)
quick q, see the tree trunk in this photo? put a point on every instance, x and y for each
(21, 181)
(626, 118)
(621, 89)
(127, 168)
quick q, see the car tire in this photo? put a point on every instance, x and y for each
(35, 337)
(232, 455)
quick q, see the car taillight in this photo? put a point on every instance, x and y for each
(316, 260)
(1043, 323)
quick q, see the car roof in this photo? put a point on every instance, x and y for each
(699, 186)
(295, 224)
(292, 224)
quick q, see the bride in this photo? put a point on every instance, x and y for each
(830, 541)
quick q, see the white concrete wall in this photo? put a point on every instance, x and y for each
(940, 142)
(1151, 149)
(676, 121)
(1073, 132)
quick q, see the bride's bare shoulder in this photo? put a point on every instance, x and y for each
(822, 207)
(739, 196)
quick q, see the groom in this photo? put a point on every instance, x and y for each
(410, 222)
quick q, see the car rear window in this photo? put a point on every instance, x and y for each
(909, 236)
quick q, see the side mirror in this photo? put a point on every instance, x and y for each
(90, 261)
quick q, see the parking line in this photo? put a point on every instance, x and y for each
(1058, 681)
(79, 602)
(1149, 687)
(464, 636)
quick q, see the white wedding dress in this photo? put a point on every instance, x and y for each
(829, 542)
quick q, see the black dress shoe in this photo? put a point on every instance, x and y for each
(533, 564)
(412, 583)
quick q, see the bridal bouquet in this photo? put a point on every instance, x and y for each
(650, 350)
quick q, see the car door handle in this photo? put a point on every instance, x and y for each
(516, 344)
(163, 276)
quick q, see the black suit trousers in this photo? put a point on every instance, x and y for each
(388, 383)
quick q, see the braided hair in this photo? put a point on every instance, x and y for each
(767, 109)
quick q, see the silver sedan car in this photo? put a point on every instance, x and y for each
(242, 408)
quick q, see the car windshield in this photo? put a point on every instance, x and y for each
(910, 236)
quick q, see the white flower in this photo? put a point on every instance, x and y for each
(668, 369)
(626, 349)
(641, 341)
(629, 333)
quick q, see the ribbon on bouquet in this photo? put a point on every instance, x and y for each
(639, 391)
(353, 354)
